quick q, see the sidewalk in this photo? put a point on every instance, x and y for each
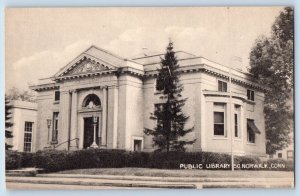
(152, 182)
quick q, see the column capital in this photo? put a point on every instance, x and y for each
(65, 91)
(73, 91)
(103, 87)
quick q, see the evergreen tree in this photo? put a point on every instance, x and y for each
(272, 64)
(8, 124)
(170, 117)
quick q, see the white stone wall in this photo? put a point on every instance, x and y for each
(199, 108)
(46, 106)
(22, 112)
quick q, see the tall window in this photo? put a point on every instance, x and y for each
(219, 123)
(219, 119)
(222, 86)
(56, 96)
(250, 95)
(158, 107)
(237, 110)
(55, 127)
(28, 136)
(280, 155)
(250, 131)
(236, 125)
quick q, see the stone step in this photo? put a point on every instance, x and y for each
(29, 172)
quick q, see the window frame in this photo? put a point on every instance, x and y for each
(156, 105)
(237, 121)
(250, 95)
(250, 133)
(236, 125)
(28, 131)
(218, 109)
(54, 138)
(139, 139)
(56, 96)
(223, 84)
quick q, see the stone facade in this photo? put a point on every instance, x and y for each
(126, 90)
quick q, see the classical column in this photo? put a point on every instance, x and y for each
(104, 116)
(64, 117)
(112, 115)
(74, 135)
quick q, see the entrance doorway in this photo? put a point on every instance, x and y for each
(89, 132)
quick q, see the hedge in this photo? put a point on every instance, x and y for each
(58, 160)
(15, 160)
(280, 165)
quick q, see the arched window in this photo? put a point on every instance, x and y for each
(91, 101)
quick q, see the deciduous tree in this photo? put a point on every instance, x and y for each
(272, 64)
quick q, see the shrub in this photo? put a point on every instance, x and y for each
(280, 165)
(137, 159)
(13, 160)
(57, 160)
(215, 158)
(27, 159)
(247, 159)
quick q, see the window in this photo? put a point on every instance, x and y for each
(55, 127)
(219, 119)
(91, 101)
(158, 107)
(279, 155)
(222, 86)
(237, 111)
(250, 131)
(28, 136)
(219, 123)
(250, 95)
(137, 145)
(56, 96)
(290, 155)
(236, 126)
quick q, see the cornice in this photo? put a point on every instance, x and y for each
(43, 87)
(153, 73)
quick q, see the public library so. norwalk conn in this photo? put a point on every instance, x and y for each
(102, 100)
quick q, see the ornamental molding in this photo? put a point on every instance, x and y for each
(99, 69)
(43, 87)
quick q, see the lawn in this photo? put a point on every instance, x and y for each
(180, 173)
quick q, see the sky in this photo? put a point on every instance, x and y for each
(40, 41)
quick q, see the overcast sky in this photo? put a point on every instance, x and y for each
(41, 41)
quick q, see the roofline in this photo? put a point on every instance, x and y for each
(163, 54)
(106, 51)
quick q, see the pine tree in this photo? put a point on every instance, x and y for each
(8, 124)
(170, 117)
(272, 64)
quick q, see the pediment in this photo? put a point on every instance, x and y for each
(88, 66)
(91, 61)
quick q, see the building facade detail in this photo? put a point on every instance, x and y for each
(101, 91)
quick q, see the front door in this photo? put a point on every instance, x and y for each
(89, 132)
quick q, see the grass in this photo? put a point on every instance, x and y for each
(180, 173)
